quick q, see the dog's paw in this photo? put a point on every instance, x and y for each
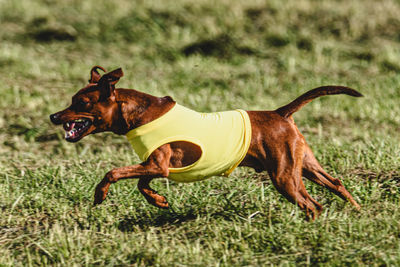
(97, 200)
(158, 201)
(162, 203)
(100, 194)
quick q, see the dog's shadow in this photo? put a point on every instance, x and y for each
(171, 217)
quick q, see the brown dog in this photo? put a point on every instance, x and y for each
(276, 144)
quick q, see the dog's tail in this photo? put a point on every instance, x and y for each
(287, 110)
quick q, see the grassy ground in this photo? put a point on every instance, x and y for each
(209, 56)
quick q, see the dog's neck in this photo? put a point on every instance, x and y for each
(136, 109)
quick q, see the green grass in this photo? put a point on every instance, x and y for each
(209, 56)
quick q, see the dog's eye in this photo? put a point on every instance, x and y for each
(82, 104)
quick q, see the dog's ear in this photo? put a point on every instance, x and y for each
(113, 76)
(108, 81)
(95, 75)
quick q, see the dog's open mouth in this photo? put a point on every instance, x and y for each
(75, 129)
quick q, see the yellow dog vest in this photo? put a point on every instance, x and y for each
(224, 138)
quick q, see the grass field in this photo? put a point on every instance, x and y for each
(208, 56)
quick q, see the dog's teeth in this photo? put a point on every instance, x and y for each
(75, 128)
(70, 133)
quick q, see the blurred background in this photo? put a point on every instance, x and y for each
(209, 56)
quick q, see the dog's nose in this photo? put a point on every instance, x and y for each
(55, 118)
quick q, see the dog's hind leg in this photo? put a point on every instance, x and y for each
(313, 171)
(309, 198)
(293, 189)
(286, 177)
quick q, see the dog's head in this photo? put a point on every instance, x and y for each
(93, 109)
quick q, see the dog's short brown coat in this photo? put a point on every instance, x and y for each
(277, 146)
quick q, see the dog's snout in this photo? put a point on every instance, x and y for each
(55, 118)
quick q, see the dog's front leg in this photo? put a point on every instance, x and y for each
(151, 195)
(155, 166)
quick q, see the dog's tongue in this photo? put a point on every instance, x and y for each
(69, 126)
